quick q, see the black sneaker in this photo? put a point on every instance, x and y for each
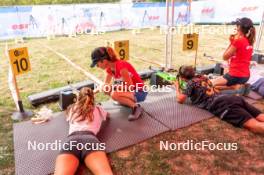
(136, 113)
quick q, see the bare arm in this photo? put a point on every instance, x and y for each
(107, 80)
(230, 51)
(180, 97)
(126, 78)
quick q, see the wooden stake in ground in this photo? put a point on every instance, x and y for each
(19, 64)
(13, 87)
(190, 43)
(195, 59)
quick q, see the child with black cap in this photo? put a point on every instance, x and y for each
(130, 89)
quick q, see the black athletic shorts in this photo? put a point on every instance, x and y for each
(231, 80)
(82, 144)
(233, 109)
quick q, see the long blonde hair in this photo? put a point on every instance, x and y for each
(83, 108)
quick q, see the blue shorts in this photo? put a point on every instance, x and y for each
(235, 80)
(140, 96)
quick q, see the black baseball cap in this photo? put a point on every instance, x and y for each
(97, 55)
(243, 22)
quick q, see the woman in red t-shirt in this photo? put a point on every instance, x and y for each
(239, 54)
(128, 88)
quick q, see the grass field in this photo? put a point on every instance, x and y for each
(50, 71)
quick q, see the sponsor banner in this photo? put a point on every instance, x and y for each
(44, 20)
(225, 11)
(17, 23)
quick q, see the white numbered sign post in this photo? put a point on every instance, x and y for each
(190, 43)
(20, 64)
(122, 49)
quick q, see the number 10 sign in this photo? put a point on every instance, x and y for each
(19, 60)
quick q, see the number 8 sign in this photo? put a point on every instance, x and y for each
(19, 60)
(190, 42)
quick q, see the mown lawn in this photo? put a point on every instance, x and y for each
(50, 71)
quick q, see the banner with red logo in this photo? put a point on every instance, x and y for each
(225, 11)
(39, 21)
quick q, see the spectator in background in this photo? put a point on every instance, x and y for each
(239, 54)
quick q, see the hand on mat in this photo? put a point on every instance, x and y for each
(38, 120)
(42, 116)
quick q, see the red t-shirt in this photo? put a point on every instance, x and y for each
(119, 65)
(239, 63)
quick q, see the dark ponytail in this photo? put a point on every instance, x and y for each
(112, 56)
(251, 36)
(250, 33)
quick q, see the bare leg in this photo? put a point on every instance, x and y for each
(221, 81)
(98, 163)
(254, 126)
(125, 98)
(66, 164)
(221, 87)
(234, 87)
(260, 117)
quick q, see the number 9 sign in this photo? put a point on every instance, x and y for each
(190, 42)
(122, 49)
(19, 60)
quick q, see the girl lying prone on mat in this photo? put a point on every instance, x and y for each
(82, 145)
(232, 109)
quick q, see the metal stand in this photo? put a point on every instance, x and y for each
(21, 114)
(169, 33)
(169, 36)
